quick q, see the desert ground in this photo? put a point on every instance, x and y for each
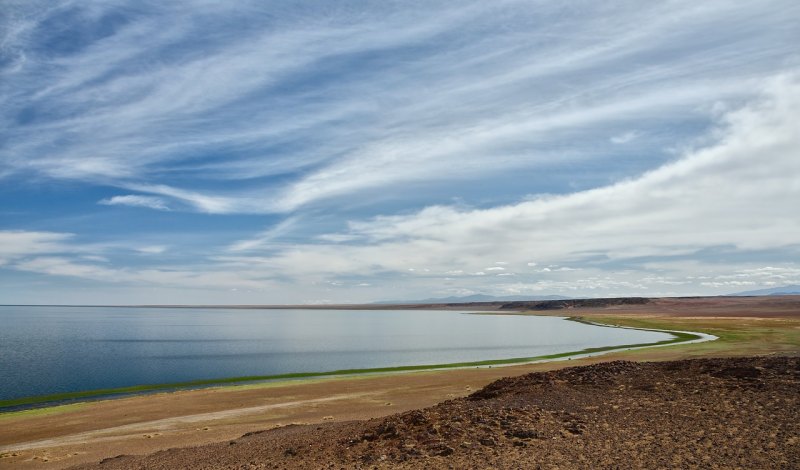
(644, 411)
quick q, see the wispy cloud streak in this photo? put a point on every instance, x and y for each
(304, 107)
(136, 201)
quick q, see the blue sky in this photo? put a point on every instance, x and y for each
(311, 152)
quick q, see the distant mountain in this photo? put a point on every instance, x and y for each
(474, 298)
(783, 290)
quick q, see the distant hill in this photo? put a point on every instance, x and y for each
(474, 298)
(783, 290)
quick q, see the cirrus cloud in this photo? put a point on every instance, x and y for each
(150, 202)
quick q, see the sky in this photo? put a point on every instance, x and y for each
(332, 152)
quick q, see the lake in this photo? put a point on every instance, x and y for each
(46, 350)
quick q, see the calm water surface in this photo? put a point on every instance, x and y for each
(46, 350)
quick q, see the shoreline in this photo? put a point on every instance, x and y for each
(63, 436)
(22, 404)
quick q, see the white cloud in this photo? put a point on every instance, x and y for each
(208, 278)
(212, 204)
(136, 201)
(60, 266)
(151, 249)
(485, 92)
(17, 243)
(728, 283)
(111, 104)
(503, 97)
(696, 202)
(337, 237)
(59, 254)
(266, 238)
(467, 150)
(624, 138)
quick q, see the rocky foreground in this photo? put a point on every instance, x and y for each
(713, 413)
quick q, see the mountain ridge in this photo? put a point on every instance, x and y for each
(792, 289)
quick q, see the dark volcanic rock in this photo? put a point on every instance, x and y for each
(573, 303)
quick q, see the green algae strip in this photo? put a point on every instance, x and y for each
(679, 337)
(47, 411)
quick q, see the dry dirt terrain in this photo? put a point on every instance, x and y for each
(87, 433)
(715, 413)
